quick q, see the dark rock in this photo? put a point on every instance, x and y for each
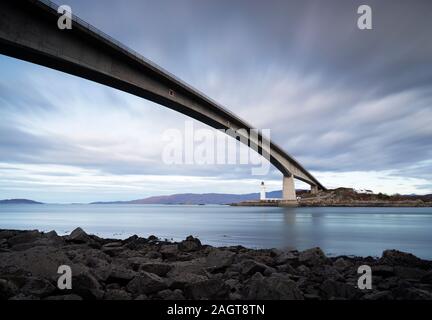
(207, 289)
(312, 257)
(336, 289)
(341, 264)
(121, 274)
(326, 272)
(287, 268)
(154, 255)
(250, 267)
(168, 294)
(114, 244)
(303, 270)
(7, 289)
(275, 287)
(387, 283)
(382, 271)
(41, 262)
(86, 286)
(161, 269)
(135, 243)
(113, 251)
(116, 294)
(21, 296)
(234, 286)
(414, 294)
(218, 259)
(153, 238)
(286, 257)
(6, 234)
(24, 237)
(409, 273)
(427, 278)
(380, 295)
(37, 287)
(169, 251)
(399, 258)
(190, 244)
(146, 283)
(79, 236)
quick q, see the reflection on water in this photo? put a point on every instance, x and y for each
(357, 231)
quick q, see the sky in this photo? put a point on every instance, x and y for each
(354, 107)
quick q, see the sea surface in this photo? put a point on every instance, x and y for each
(338, 231)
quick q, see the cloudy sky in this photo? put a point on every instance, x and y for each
(353, 106)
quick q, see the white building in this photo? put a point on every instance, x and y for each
(263, 191)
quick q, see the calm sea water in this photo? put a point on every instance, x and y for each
(350, 231)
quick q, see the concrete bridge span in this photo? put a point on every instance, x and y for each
(29, 31)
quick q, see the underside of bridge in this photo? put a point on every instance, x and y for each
(29, 31)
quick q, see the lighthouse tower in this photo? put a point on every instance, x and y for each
(263, 191)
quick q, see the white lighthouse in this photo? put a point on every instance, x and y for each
(263, 191)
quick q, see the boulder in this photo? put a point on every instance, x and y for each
(275, 287)
(285, 257)
(409, 272)
(337, 289)
(168, 294)
(207, 289)
(24, 237)
(41, 262)
(218, 259)
(146, 283)
(6, 234)
(341, 264)
(7, 289)
(379, 295)
(427, 278)
(312, 257)
(399, 258)
(180, 280)
(250, 267)
(79, 236)
(121, 274)
(37, 287)
(86, 286)
(159, 268)
(384, 271)
(116, 294)
(190, 244)
(169, 251)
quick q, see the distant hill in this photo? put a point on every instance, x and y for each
(194, 198)
(19, 201)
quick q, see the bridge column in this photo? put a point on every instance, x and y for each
(288, 189)
(314, 189)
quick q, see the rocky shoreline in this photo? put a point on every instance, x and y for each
(148, 269)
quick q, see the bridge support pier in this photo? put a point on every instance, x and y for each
(288, 189)
(314, 189)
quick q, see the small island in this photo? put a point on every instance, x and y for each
(344, 197)
(19, 201)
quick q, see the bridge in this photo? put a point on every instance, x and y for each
(29, 31)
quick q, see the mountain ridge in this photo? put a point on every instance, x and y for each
(19, 201)
(197, 198)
